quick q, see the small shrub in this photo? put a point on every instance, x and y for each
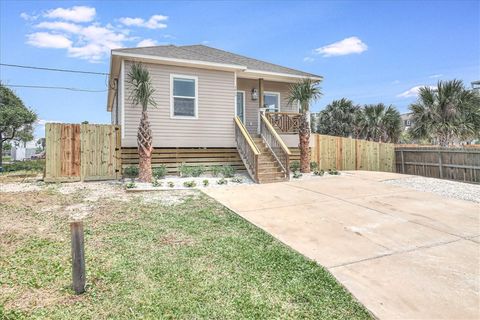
(27, 165)
(205, 183)
(171, 184)
(313, 165)
(222, 181)
(216, 170)
(191, 171)
(156, 183)
(297, 174)
(333, 172)
(237, 179)
(295, 166)
(130, 185)
(159, 172)
(130, 172)
(189, 184)
(228, 171)
(319, 172)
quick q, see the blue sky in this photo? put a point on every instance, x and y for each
(368, 51)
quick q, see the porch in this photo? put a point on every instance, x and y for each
(266, 127)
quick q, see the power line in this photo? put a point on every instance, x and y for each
(51, 87)
(53, 69)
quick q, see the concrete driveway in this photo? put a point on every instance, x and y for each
(404, 254)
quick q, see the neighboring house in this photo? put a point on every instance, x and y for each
(23, 150)
(476, 86)
(199, 92)
(406, 121)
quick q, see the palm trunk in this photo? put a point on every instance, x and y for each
(304, 137)
(145, 149)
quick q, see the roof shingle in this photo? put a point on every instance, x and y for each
(209, 54)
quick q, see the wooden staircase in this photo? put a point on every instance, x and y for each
(269, 170)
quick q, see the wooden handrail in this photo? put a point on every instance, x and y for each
(275, 134)
(247, 136)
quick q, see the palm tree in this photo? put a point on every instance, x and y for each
(338, 118)
(379, 123)
(303, 93)
(446, 114)
(142, 93)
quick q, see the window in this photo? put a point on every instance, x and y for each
(271, 101)
(241, 105)
(184, 99)
(408, 123)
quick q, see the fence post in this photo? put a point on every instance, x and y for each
(440, 164)
(403, 162)
(78, 257)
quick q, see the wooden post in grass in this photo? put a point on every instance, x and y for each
(78, 257)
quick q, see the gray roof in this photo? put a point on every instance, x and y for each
(209, 54)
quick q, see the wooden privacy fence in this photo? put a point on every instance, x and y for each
(461, 164)
(77, 152)
(352, 154)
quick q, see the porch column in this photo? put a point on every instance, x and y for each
(261, 102)
(260, 93)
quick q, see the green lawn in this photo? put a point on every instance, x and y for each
(147, 259)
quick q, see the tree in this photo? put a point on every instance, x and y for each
(142, 93)
(303, 93)
(446, 114)
(338, 118)
(379, 123)
(16, 120)
(42, 142)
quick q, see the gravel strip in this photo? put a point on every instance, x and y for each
(446, 188)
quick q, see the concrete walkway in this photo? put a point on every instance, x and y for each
(404, 254)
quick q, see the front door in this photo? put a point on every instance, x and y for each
(240, 109)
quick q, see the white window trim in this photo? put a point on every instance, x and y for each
(182, 76)
(279, 98)
(244, 97)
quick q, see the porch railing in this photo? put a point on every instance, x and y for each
(279, 150)
(247, 149)
(284, 122)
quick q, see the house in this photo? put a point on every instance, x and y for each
(213, 107)
(406, 121)
(23, 150)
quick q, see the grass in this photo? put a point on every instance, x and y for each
(194, 259)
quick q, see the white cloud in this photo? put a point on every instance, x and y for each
(147, 43)
(58, 25)
(42, 122)
(28, 17)
(433, 76)
(412, 92)
(344, 47)
(89, 41)
(48, 40)
(92, 42)
(153, 23)
(75, 14)
(308, 59)
(95, 43)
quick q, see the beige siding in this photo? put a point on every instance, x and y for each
(216, 109)
(251, 106)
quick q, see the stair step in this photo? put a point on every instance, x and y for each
(262, 181)
(270, 175)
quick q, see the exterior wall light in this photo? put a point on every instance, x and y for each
(254, 94)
